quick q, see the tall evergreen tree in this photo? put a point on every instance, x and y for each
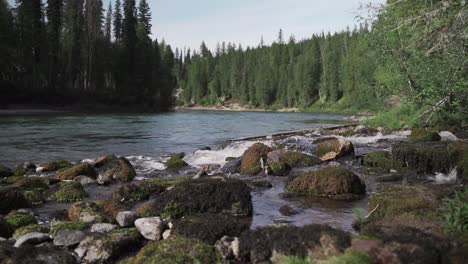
(118, 21)
(54, 29)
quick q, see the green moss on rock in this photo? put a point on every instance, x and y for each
(381, 160)
(162, 182)
(423, 135)
(69, 192)
(71, 225)
(176, 162)
(31, 183)
(126, 172)
(457, 150)
(85, 169)
(298, 159)
(29, 229)
(19, 219)
(128, 194)
(5, 171)
(20, 170)
(279, 168)
(396, 200)
(34, 197)
(423, 159)
(334, 148)
(178, 250)
(333, 182)
(251, 164)
(88, 212)
(104, 160)
(55, 165)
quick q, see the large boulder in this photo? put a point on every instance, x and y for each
(432, 158)
(423, 135)
(69, 192)
(210, 227)
(31, 183)
(334, 182)
(201, 196)
(84, 169)
(110, 167)
(253, 157)
(99, 248)
(11, 199)
(178, 250)
(314, 241)
(334, 148)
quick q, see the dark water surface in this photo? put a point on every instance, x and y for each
(73, 137)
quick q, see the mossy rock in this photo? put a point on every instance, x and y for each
(396, 200)
(20, 170)
(104, 160)
(19, 219)
(55, 165)
(279, 168)
(156, 186)
(85, 169)
(178, 250)
(298, 159)
(457, 150)
(462, 168)
(88, 212)
(210, 228)
(334, 182)
(71, 225)
(201, 196)
(381, 160)
(34, 197)
(31, 183)
(129, 193)
(334, 148)
(423, 158)
(423, 135)
(29, 229)
(69, 192)
(259, 246)
(126, 172)
(11, 198)
(251, 164)
(5, 171)
(5, 229)
(176, 162)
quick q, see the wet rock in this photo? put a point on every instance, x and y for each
(105, 161)
(126, 219)
(258, 183)
(11, 198)
(423, 135)
(251, 160)
(126, 172)
(17, 219)
(108, 248)
(210, 227)
(55, 165)
(201, 196)
(178, 250)
(151, 228)
(334, 182)
(68, 238)
(85, 169)
(31, 183)
(335, 148)
(377, 252)
(176, 162)
(87, 212)
(69, 192)
(44, 255)
(293, 158)
(228, 247)
(423, 158)
(456, 150)
(30, 229)
(85, 180)
(315, 241)
(279, 168)
(102, 227)
(287, 210)
(32, 239)
(106, 178)
(232, 166)
(5, 171)
(389, 178)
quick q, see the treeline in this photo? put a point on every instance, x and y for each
(408, 52)
(64, 52)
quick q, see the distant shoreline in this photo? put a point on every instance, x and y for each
(236, 109)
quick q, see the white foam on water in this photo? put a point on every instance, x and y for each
(88, 161)
(441, 178)
(401, 135)
(147, 164)
(448, 136)
(235, 149)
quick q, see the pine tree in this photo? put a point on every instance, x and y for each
(54, 28)
(108, 24)
(73, 38)
(118, 21)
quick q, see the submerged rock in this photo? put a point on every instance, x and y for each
(315, 241)
(201, 196)
(334, 182)
(251, 160)
(334, 148)
(85, 169)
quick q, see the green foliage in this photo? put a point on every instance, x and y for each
(69, 192)
(456, 213)
(397, 118)
(19, 219)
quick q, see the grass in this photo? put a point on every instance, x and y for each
(397, 118)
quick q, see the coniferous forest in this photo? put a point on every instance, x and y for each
(78, 52)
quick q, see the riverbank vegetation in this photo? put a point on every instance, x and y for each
(406, 57)
(63, 53)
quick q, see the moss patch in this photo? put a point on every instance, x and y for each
(69, 192)
(423, 159)
(29, 229)
(279, 168)
(72, 225)
(128, 194)
(381, 160)
(179, 250)
(251, 164)
(423, 135)
(5, 171)
(334, 182)
(396, 200)
(462, 168)
(456, 150)
(85, 169)
(176, 162)
(350, 257)
(55, 165)
(297, 159)
(34, 197)
(126, 172)
(88, 212)
(334, 148)
(31, 183)
(18, 219)
(154, 184)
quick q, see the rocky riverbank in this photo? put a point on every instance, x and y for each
(350, 194)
